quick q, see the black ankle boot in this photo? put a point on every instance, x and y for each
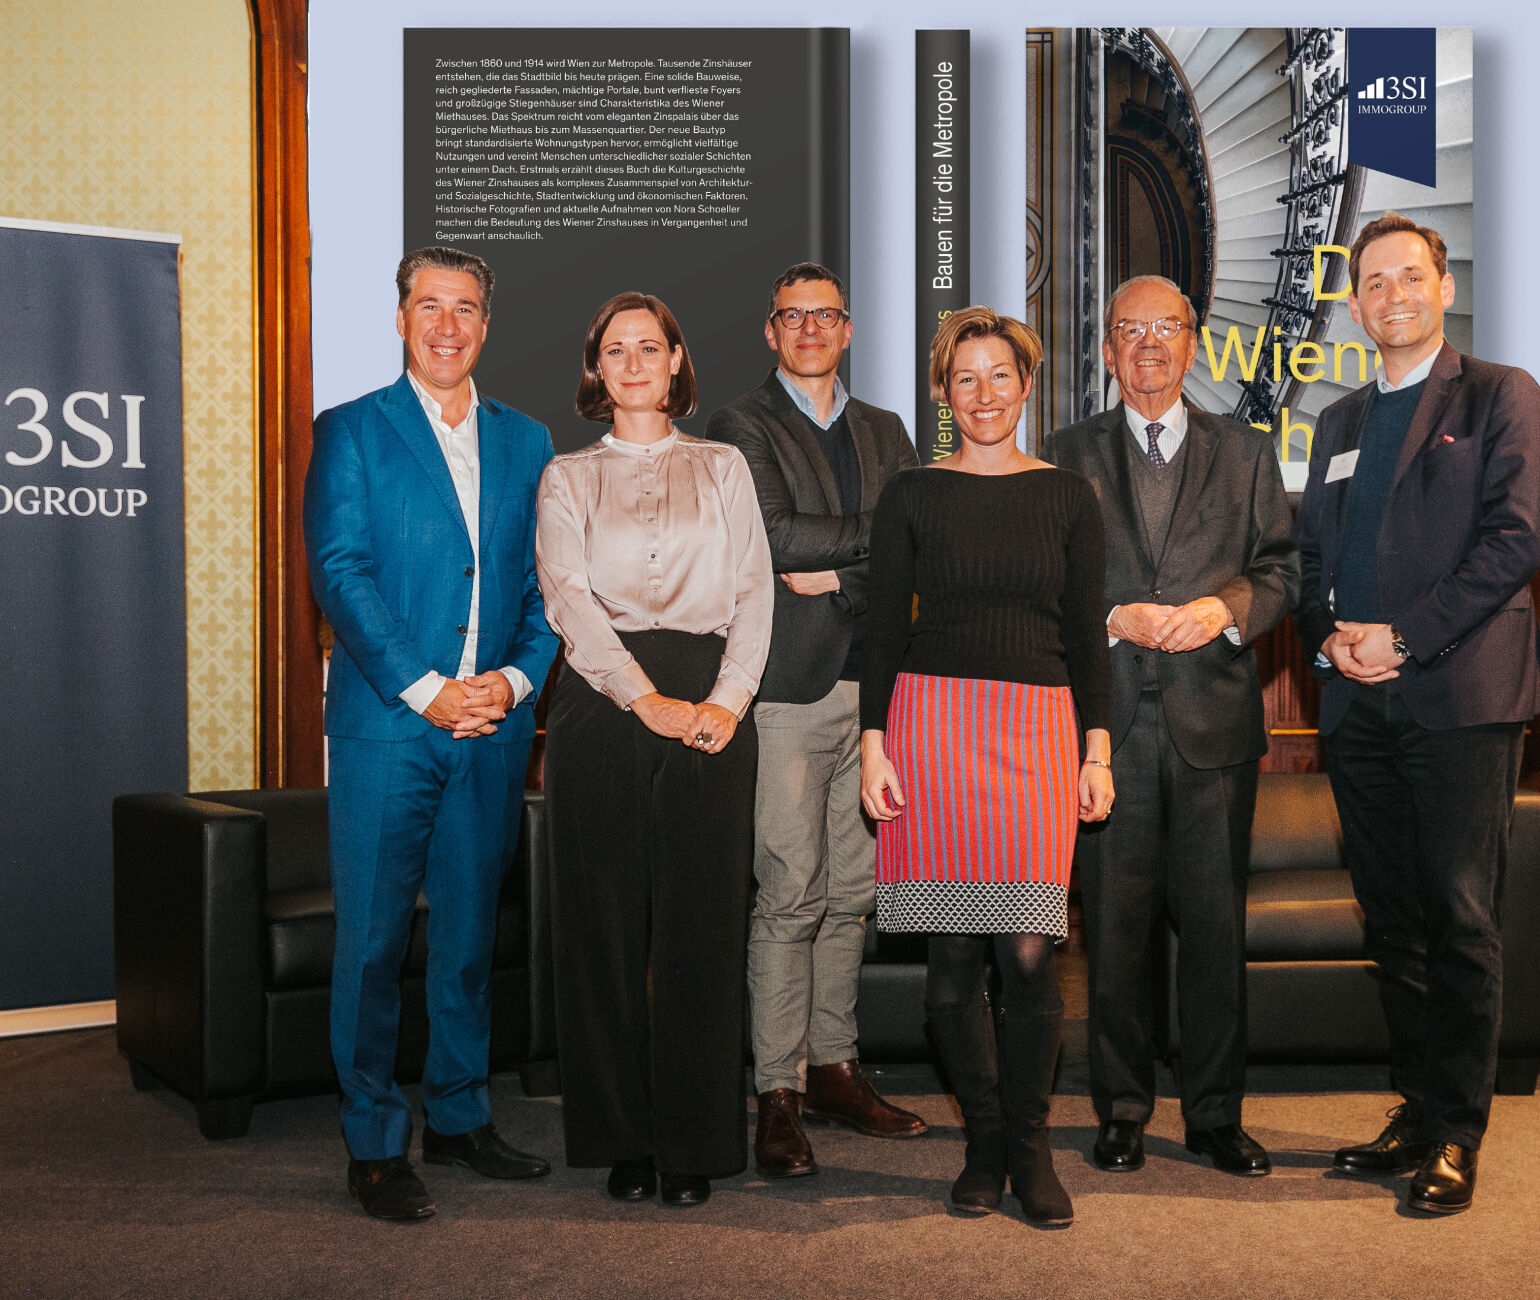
(1029, 1047)
(965, 1042)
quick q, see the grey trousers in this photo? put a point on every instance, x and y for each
(815, 858)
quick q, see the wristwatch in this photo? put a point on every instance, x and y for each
(1398, 643)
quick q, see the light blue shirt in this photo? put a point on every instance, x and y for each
(805, 403)
(1415, 376)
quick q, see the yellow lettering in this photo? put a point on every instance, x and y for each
(1317, 282)
(1298, 357)
(1233, 340)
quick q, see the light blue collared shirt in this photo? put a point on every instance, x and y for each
(1415, 376)
(805, 403)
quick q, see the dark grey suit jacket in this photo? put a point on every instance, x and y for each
(1459, 542)
(1229, 537)
(801, 506)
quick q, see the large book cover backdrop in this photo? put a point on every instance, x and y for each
(693, 164)
(1234, 161)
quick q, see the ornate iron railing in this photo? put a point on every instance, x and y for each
(1322, 199)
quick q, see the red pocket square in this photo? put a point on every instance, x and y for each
(1446, 438)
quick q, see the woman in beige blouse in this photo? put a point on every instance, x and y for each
(656, 574)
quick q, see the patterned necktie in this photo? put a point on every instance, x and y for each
(1153, 430)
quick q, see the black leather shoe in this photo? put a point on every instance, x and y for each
(1445, 1181)
(1119, 1147)
(483, 1151)
(1397, 1150)
(632, 1180)
(389, 1189)
(686, 1189)
(1231, 1148)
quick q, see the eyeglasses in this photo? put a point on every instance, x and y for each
(826, 318)
(1166, 329)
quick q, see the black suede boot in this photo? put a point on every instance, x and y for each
(1029, 1048)
(965, 1042)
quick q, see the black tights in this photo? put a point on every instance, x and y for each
(957, 970)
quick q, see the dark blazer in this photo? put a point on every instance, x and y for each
(1229, 538)
(801, 506)
(1457, 545)
(390, 559)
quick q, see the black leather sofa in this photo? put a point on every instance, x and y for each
(1312, 996)
(224, 933)
(224, 938)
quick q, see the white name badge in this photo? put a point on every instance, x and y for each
(1342, 465)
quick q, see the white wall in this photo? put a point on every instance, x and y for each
(355, 156)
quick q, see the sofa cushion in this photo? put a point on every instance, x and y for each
(1306, 915)
(1296, 826)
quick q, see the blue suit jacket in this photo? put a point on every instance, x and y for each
(1458, 544)
(391, 563)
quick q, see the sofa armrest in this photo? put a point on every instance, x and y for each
(189, 879)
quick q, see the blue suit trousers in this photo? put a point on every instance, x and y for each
(439, 816)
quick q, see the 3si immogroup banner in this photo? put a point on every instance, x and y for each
(93, 624)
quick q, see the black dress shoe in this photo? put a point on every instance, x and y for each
(1397, 1150)
(1231, 1148)
(1119, 1147)
(483, 1151)
(1445, 1181)
(632, 1180)
(389, 1189)
(686, 1189)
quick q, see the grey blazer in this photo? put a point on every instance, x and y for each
(1230, 537)
(800, 502)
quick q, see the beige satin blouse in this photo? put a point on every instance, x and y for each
(631, 538)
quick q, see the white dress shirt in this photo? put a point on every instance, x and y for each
(462, 454)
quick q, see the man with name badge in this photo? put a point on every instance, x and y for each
(1417, 536)
(1200, 563)
(419, 529)
(820, 459)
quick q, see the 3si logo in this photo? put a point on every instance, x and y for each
(1402, 88)
(98, 445)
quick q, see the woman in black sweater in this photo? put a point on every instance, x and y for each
(986, 638)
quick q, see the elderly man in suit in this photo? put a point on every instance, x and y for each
(1199, 565)
(820, 459)
(1418, 541)
(419, 528)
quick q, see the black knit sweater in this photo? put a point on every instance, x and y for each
(1008, 570)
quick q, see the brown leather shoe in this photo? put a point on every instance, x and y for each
(781, 1148)
(841, 1094)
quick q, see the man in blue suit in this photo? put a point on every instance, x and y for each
(419, 529)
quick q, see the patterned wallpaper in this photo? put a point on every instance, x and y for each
(140, 116)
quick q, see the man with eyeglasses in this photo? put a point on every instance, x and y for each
(1200, 563)
(820, 459)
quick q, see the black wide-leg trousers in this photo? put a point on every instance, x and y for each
(652, 847)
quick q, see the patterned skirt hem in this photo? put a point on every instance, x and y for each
(973, 907)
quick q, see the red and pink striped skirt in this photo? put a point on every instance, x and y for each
(987, 836)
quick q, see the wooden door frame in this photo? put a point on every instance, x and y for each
(291, 744)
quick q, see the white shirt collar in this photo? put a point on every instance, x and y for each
(1173, 422)
(804, 403)
(1414, 376)
(430, 404)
